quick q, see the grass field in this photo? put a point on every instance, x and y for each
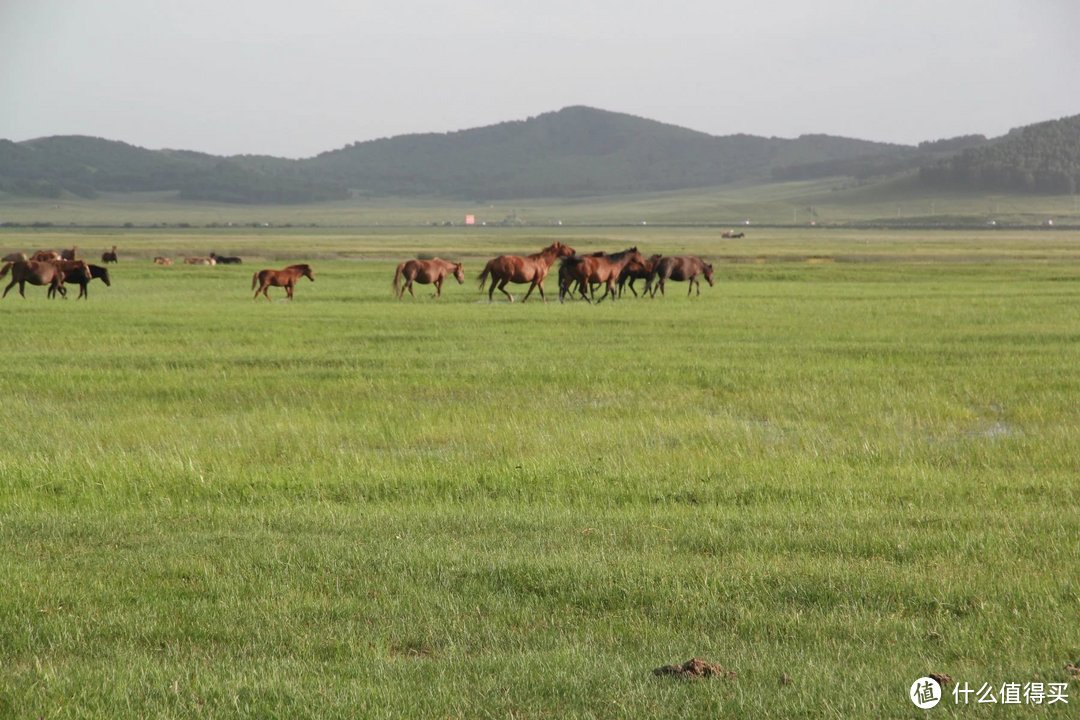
(833, 201)
(853, 462)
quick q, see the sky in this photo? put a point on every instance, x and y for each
(294, 78)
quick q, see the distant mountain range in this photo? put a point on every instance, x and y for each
(577, 151)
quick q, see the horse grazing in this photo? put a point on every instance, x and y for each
(160, 260)
(681, 267)
(109, 256)
(426, 272)
(199, 261)
(287, 278)
(14, 257)
(81, 279)
(35, 272)
(530, 269)
(226, 259)
(637, 271)
(596, 269)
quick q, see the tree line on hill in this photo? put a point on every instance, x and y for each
(1043, 158)
(575, 152)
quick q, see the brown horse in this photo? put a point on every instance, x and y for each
(34, 272)
(109, 256)
(14, 257)
(637, 271)
(71, 254)
(426, 272)
(596, 268)
(162, 260)
(287, 278)
(78, 277)
(530, 269)
(45, 256)
(681, 267)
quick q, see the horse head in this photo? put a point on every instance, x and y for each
(708, 273)
(308, 272)
(459, 273)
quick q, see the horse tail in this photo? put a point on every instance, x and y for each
(397, 279)
(483, 275)
(4, 270)
(254, 280)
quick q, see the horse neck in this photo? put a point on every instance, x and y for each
(547, 255)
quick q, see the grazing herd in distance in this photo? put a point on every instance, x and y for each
(579, 275)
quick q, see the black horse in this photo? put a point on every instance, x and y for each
(78, 277)
(226, 259)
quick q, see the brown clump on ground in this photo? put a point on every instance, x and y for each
(694, 669)
(1074, 669)
(942, 680)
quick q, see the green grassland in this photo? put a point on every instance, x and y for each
(852, 462)
(838, 201)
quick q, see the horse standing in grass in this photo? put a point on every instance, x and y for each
(637, 271)
(530, 269)
(591, 270)
(681, 267)
(81, 279)
(109, 256)
(35, 272)
(287, 278)
(426, 272)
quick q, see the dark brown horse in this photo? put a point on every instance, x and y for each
(597, 269)
(226, 259)
(681, 267)
(81, 279)
(109, 256)
(287, 278)
(35, 272)
(531, 269)
(637, 271)
(425, 272)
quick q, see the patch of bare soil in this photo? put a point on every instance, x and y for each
(694, 669)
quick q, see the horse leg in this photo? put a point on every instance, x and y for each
(502, 289)
(438, 288)
(532, 286)
(10, 285)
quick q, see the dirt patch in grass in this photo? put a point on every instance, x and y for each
(694, 669)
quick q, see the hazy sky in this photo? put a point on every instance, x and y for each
(297, 77)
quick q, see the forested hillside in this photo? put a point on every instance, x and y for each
(1042, 158)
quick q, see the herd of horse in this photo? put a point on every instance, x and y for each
(579, 275)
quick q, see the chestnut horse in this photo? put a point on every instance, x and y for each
(682, 267)
(531, 269)
(637, 271)
(597, 268)
(287, 278)
(426, 272)
(35, 272)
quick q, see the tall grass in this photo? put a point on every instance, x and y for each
(854, 471)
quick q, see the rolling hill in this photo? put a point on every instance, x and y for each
(572, 153)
